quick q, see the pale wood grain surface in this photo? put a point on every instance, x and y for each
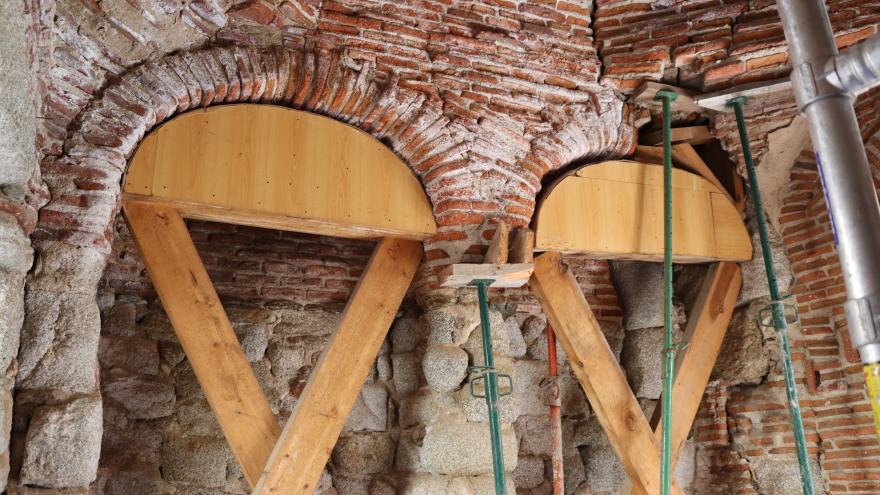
(282, 163)
(614, 210)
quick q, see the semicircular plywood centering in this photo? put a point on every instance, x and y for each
(274, 167)
(614, 210)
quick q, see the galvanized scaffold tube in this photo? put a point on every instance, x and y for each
(491, 388)
(776, 305)
(667, 97)
(824, 86)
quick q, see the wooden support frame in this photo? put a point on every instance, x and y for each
(603, 381)
(711, 315)
(279, 170)
(597, 370)
(292, 462)
(205, 333)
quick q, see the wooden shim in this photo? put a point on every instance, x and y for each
(205, 334)
(287, 165)
(522, 247)
(648, 90)
(497, 252)
(704, 333)
(308, 438)
(504, 276)
(598, 371)
(718, 99)
(698, 134)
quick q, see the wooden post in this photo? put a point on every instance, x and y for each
(205, 333)
(705, 332)
(597, 370)
(308, 438)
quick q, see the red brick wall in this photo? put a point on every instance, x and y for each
(736, 424)
(707, 44)
(253, 266)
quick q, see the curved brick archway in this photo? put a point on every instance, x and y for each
(85, 180)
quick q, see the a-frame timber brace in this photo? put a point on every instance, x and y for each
(600, 375)
(292, 462)
(278, 172)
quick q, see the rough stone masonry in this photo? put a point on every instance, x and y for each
(486, 100)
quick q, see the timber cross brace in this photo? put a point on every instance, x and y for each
(601, 377)
(199, 166)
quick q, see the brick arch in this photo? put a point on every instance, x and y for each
(84, 180)
(598, 130)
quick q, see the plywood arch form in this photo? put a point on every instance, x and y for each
(614, 210)
(279, 168)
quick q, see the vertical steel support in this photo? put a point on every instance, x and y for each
(491, 386)
(667, 97)
(777, 307)
(555, 415)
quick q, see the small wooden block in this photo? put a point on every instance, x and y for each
(522, 247)
(697, 134)
(504, 276)
(684, 103)
(497, 252)
(718, 100)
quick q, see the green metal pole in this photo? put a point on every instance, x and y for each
(667, 97)
(779, 320)
(491, 388)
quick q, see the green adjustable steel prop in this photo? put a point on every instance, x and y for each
(776, 305)
(667, 97)
(490, 376)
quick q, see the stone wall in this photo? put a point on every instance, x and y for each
(21, 193)
(415, 428)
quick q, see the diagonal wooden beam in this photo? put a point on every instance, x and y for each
(205, 333)
(704, 333)
(308, 438)
(598, 371)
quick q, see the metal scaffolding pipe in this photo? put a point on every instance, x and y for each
(843, 166)
(857, 69)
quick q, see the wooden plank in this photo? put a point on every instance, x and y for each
(205, 334)
(718, 100)
(497, 252)
(598, 371)
(504, 276)
(338, 228)
(614, 210)
(308, 438)
(704, 333)
(522, 247)
(648, 90)
(698, 134)
(283, 163)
